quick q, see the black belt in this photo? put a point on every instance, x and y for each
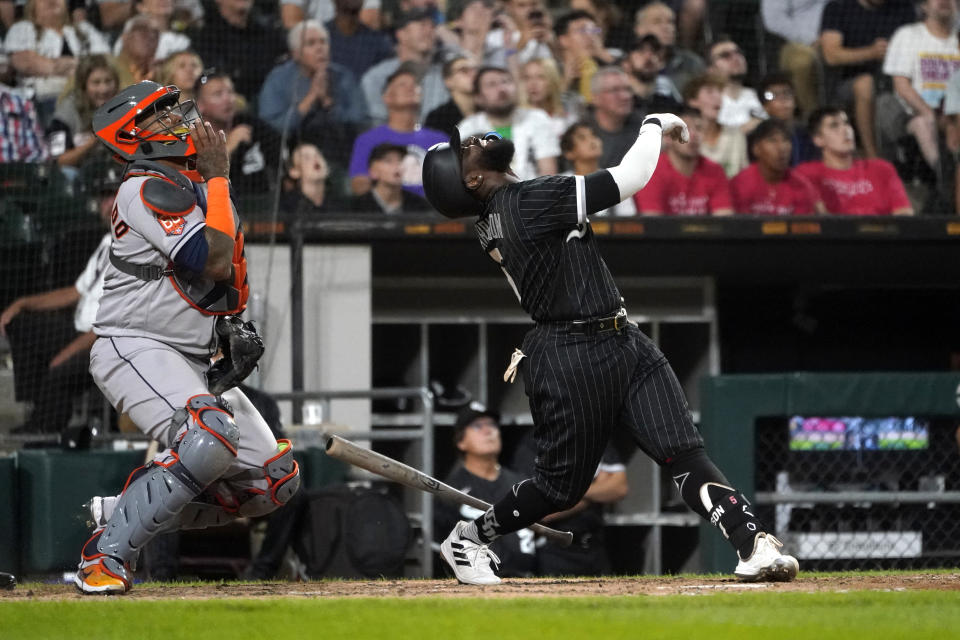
(592, 327)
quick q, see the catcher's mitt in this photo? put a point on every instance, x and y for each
(241, 347)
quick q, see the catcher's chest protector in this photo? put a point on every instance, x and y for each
(170, 195)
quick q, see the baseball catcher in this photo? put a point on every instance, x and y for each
(173, 289)
(587, 369)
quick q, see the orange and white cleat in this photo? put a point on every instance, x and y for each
(100, 573)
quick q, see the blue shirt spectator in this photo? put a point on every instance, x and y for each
(353, 44)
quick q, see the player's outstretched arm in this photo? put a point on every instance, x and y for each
(607, 187)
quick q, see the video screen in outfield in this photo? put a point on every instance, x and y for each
(858, 433)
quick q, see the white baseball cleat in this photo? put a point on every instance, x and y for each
(470, 561)
(766, 563)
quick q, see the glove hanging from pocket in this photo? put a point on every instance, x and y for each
(511, 373)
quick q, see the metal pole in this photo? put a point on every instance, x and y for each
(296, 318)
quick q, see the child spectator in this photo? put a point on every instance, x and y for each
(309, 172)
(684, 182)
(848, 186)
(70, 134)
(182, 70)
(582, 149)
(768, 187)
(385, 169)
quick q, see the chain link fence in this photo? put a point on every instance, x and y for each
(859, 492)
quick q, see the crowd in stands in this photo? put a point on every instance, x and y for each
(842, 107)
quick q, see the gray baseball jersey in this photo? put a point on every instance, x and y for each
(131, 307)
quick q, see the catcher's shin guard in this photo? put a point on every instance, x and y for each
(203, 451)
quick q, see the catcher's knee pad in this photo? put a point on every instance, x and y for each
(155, 494)
(282, 476)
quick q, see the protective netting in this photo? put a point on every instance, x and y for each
(875, 492)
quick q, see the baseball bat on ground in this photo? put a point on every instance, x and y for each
(377, 463)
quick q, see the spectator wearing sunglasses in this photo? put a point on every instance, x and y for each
(779, 101)
(741, 106)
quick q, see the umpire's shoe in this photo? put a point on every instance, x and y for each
(470, 561)
(766, 563)
(100, 573)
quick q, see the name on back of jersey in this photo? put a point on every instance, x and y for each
(489, 230)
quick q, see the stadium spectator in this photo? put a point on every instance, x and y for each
(727, 146)
(309, 172)
(582, 150)
(160, 13)
(50, 349)
(237, 42)
(951, 127)
(417, 46)
(458, 73)
(616, 33)
(476, 435)
(353, 44)
(402, 97)
(684, 182)
(542, 88)
(768, 187)
(847, 185)
(920, 58)
(253, 147)
(580, 50)
(311, 96)
(652, 91)
(385, 169)
(853, 41)
(798, 23)
(495, 96)
(658, 19)
(741, 107)
(21, 136)
(44, 48)
(70, 135)
(137, 57)
(469, 33)
(182, 70)
(777, 97)
(612, 115)
(522, 33)
(294, 11)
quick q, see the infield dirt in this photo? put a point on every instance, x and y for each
(511, 588)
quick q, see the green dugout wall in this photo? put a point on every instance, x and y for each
(731, 404)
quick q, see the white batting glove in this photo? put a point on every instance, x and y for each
(672, 125)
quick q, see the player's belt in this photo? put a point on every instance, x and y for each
(599, 325)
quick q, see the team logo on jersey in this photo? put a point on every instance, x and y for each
(172, 226)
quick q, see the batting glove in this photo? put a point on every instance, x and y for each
(670, 124)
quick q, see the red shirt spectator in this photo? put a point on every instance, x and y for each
(684, 182)
(848, 186)
(670, 193)
(768, 187)
(753, 195)
(870, 187)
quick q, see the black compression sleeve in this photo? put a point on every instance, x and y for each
(601, 191)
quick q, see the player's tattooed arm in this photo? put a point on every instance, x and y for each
(213, 163)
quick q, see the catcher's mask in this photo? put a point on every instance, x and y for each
(443, 180)
(127, 124)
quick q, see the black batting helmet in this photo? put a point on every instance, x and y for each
(443, 180)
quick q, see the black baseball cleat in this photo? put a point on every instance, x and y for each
(7, 580)
(766, 563)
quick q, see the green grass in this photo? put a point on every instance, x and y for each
(737, 616)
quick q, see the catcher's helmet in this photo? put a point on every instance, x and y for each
(443, 181)
(123, 123)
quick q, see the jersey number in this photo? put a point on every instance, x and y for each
(120, 227)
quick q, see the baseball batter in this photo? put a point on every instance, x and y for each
(176, 277)
(586, 368)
